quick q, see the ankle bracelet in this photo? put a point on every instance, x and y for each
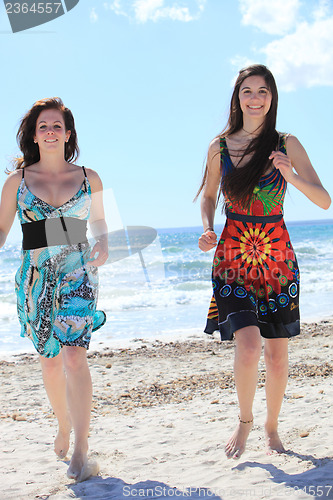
(245, 421)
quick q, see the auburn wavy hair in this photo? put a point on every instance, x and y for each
(27, 130)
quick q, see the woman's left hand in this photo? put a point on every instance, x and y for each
(100, 248)
(282, 163)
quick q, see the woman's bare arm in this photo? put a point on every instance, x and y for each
(8, 204)
(208, 239)
(304, 177)
(97, 221)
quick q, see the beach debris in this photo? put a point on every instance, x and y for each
(301, 370)
(169, 385)
(304, 434)
(18, 417)
(125, 395)
(108, 366)
(215, 402)
(186, 388)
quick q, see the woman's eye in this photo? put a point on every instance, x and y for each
(57, 126)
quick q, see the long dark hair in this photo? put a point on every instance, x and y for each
(27, 130)
(239, 183)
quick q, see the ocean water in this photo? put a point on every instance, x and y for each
(162, 290)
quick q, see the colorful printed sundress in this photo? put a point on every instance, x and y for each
(255, 275)
(56, 291)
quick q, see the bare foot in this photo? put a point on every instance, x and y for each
(91, 468)
(80, 468)
(236, 444)
(77, 463)
(273, 442)
(61, 442)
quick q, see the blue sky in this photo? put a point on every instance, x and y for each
(149, 83)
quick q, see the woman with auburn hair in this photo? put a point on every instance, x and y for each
(57, 282)
(255, 274)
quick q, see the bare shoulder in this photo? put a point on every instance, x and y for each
(213, 157)
(293, 145)
(300, 159)
(13, 181)
(214, 147)
(94, 180)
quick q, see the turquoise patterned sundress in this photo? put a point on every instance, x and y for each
(56, 291)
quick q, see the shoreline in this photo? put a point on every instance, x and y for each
(162, 412)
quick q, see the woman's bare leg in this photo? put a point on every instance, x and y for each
(276, 359)
(79, 397)
(247, 354)
(55, 385)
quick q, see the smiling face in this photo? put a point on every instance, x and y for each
(255, 97)
(50, 131)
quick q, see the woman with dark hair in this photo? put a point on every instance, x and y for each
(255, 275)
(57, 282)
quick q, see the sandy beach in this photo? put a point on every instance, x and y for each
(162, 413)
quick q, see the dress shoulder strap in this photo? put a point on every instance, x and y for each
(85, 178)
(223, 143)
(22, 172)
(282, 143)
(225, 160)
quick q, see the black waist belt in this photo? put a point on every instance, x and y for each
(254, 218)
(52, 232)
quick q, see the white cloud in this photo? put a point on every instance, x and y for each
(271, 16)
(155, 10)
(116, 7)
(321, 10)
(147, 9)
(304, 58)
(242, 61)
(303, 54)
(93, 16)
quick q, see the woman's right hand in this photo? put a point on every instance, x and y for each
(207, 240)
